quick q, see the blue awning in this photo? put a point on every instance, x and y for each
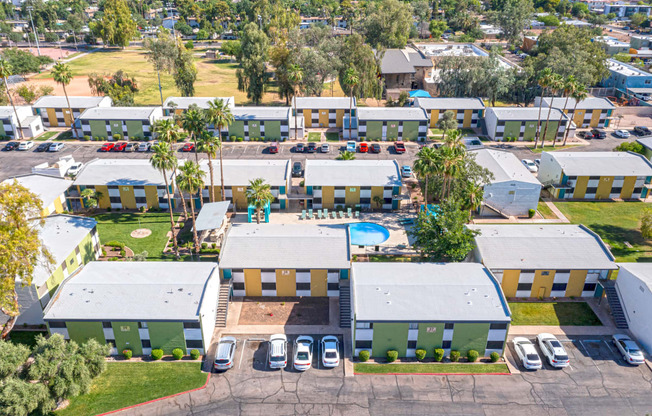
(419, 94)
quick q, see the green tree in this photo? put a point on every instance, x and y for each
(91, 197)
(578, 94)
(63, 75)
(6, 72)
(191, 180)
(24, 62)
(167, 130)
(219, 116)
(295, 76)
(346, 155)
(437, 28)
(630, 147)
(545, 78)
(12, 357)
(161, 52)
(646, 223)
(379, 201)
(425, 166)
(164, 160)
(569, 86)
(355, 53)
(422, 13)
(580, 10)
(351, 80)
(252, 76)
(448, 121)
(116, 26)
(387, 24)
(193, 122)
(232, 48)
(185, 71)
(637, 19)
(556, 85)
(210, 144)
(512, 16)
(22, 398)
(259, 194)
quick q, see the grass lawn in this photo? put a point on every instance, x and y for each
(616, 223)
(118, 227)
(314, 137)
(394, 259)
(43, 137)
(553, 313)
(25, 337)
(545, 210)
(126, 384)
(332, 137)
(430, 368)
(550, 148)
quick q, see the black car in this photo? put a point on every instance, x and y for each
(312, 147)
(11, 146)
(642, 131)
(297, 169)
(599, 134)
(375, 148)
(299, 148)
(43, 147)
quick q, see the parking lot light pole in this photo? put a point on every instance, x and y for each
(38, 48)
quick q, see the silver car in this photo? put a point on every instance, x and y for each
(527, 353)
(553, 350)
(630, 351)
(225, 353)
(277, 351)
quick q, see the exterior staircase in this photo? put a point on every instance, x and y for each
(223, 303)
(616, 307)
(345, 304)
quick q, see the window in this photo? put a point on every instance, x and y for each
(194, 343)
(362, 344)
(339, 188)
(545, 273)
(563, 271)
(524, 286)
(145, 343)
(106, 324)
(365, 200)
(333, 286)
(498, 325)
(188, 325)
(495, 345)
(387, 200)
(637, 191)
(594, 177)
(559, 287)
(413, 326)
(616, 190)
(412, 344)
(57, 324)
(340, 201)
(141, 200)
(142, 325)
(365, 188)
(527, 271)
(589, 287)
(591, 190)
(446, 344)
(115, 199)
(449, 326)
(268, 286)
(77, 250)
(364, 325)
(238, 286)
(303, 286)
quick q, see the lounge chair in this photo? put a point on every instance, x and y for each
(357, 214)
(326, 213)
(319, 214)
(310, 214)
(349, 214)
(303, 214)
(341, 214)
(334, 215)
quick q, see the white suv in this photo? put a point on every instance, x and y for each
(277, 351)
(527, 353)
(553, 350)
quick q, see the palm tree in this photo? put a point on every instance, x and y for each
(209, 144)
(544, 81)
(5, 72)
(379, 201)
(472, 197)
(259, 194)
(579, 94)
(219, 115)
(295, 75)
(451, 159)
(569, 87)
(193, 122)
(454, 140)
(351, 81)
(91, 198)
(62, 75)
(191, 180)
(346, 155)
(556, 85)
(164, 160)
(167, 130)
(425, 166)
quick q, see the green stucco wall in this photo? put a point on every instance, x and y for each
(127, 337)
(430, 340)
(648, 153)
(87, 252)
(166, 336)
(552, 129)
(392, 129)
(530, 130)
(374, 130)
(237, 129)
(512, 129)
(134, 128)
(81, 332)
(410, 130)
(470, 336)
(390, 336)
(116, 127)
(254, 129)
(273, 129)
(98, 128)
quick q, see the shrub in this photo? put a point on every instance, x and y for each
(363, 355)
(117, 136)
(240, 139)
(86, 138)
(494, 357)
(127, 353)
(420, 354)
(439, 354)
(392, 355)
(157, 354)
(472, 356)
(177, 353)
(213, 245)
(114, 243)
(189, 45)
(232, 138)
(204, 245)
(194, 354)
(531, 212)
(455, 356)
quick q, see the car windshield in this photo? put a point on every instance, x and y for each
(221, 361)
(532, 357)
(634, 351)
(330, 354)
(277, 358)
(561, 357)
(302, 355)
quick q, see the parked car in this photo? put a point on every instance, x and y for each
(273, 148)
(330, 351)
(299, 148)
(119, 147)
(225, 353)
(363, 147)
(623, 134)
(325, 148)
(26, 145)
(628, 349)
(399, 147)
(375, 148)
(406, 171)
(642, 131)
(303, 352)
(537, 162)
(74, 169)
(530, 165)
(297, 169)
(43, 147)
(10, 146)
(107, 147)
(55, 147)
(144, 146)
(527, 353)
(626, 28)
(553, 350)
(131, 147)
(350, 146)
(599, 134)
(312, 147)
(152, 144)
(188, 147)
(277, 351)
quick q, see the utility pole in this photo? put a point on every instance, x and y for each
(38, 48)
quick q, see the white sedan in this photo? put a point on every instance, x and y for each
(623, 134)
(553, 350)
(74, 169)
(527, 353)
(26, 145)
(330, 351)
(530, 165)
(628, 349)
(303, 352)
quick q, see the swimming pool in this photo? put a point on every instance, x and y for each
(367, 234)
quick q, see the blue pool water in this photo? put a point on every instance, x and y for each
(367, 234)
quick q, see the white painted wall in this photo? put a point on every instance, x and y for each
(549, 171)
(512, 197)
(636, 300)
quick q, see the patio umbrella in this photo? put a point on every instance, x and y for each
(419, 94)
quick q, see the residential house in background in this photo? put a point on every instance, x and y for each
(287, 259)
(590, 112)
(51, 190)
(623, 76)
(387, 123)
(544, 260)
(404, 70)
(468, 111)
(55, 112)
(634, 289)
(625, 10)
(611, 45)
(521, 123)
(352, 183)
(127, 122)
(123, 184)
(138, 306)
(178, 105)
(596, 175)
(322, 112)
(407, 306)
(32, 125)
(71, 242)
(252, 123)
(513, 191)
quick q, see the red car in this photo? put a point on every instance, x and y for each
(273, 148)
(399, 147)
(119, 147)
(107, 147)
(188, 147)
(363, 148)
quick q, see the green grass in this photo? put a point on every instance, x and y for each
(545, 210)
(550, 148)
(553, 313)
(118, 227)
(48, 134)
(430, 368)
(25, 337)
(393, 259)
(314, 137)
(616, 223)
(126, 384)
(332, 137)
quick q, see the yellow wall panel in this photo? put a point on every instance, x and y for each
(240, 197)
(67, 117)
(604, 187)
(328, 197)
(127, 197)
(307, 117)
(376, 191)
(628, 187)
(542, 285)
(352, 195)
(595, 118)
(434, 118)
(576, 283)
(286, 282)
(580, 186)
(339, 118)
(578, 118)
(318, 282)
(510, 282)
(52, 117)
(253, 285)
(151, 194)
(468, 116)
(104, 201)
(323, 118)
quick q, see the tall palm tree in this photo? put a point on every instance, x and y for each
(472, 197)
(209, 144)
(191, 180)
(454, 140)
(425, 166)
(568, 88)
(63, 75)
(167, 130)
(193, 122)
(259, 194)
(556, 84)
(351, 81)
(578, 95)
(346, 155)
(164, 160)
(220, 116)
(451, 165)
(544, 81)
(295, 75)
(5, 72)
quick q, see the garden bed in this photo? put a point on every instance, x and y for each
(431, 368)
(285, 311)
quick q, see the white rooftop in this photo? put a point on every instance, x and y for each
(183, 103)
(132, 172)
(602, 163)
(118, 113)
(47, 188)
(323, 102)
(426, 292)
(55, 101)
(391, 113)
(352, 173)
(587, 103)
(238, 172)
(261, 113)
(625, 69)
(211, 215)
(133, 291)
(504, 166)
(541, 247)
(523, 113)
(286, 246)
(643, 271)
(449, 103)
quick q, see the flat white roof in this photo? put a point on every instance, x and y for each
(54, 101)
(132, 172)
(352, 173)
(602, 163)
(134, 291)
(212, 215)
(286, 246)
(449, 103)
(625, 69)
(391, 114)
(523, 113)
(118, 113)
(323, 103)
(183, 103)
(642, 271)
(426, 292)
(588, 103)
(261, 113)
(541, 247)
(238, 172)
(47, 188)
(504, 166)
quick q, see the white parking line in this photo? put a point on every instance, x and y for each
(318, 354)
(609, 346)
